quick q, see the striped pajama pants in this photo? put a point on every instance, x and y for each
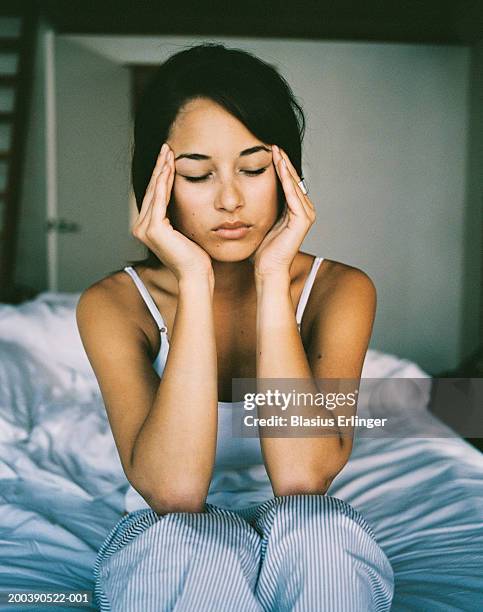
(310, 553)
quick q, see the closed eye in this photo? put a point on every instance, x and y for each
(198, 179)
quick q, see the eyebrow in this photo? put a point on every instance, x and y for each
(200, 156)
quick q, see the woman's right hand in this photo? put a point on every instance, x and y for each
(153, 228)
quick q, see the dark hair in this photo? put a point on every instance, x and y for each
(250, 89)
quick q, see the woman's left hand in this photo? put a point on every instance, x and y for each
(276, 252)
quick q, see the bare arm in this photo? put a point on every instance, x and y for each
(165, 430)
(338, 345)
(174, 452)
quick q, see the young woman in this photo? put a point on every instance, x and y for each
(232, 300)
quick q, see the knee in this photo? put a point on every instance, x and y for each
(311, 535)
(301, 515)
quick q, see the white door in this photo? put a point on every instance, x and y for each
(93, 141)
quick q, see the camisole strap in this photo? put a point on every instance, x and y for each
(306, 290)
(153, 309)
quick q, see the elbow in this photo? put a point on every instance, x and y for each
(174, 505)
(316, 483)
(303, 486)
(185, 501)
(169, 498)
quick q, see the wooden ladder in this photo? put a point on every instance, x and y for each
(15, 85)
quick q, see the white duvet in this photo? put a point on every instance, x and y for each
(62, 486)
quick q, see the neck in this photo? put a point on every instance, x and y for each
(233, 280)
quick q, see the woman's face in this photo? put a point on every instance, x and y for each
(223, 174)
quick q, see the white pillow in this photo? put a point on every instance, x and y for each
(46, 327)
(383, 393)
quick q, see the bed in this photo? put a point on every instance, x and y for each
(62, 486)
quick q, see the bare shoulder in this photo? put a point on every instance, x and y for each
(103, 295)
(343, 315)
(340, 287)
(110, 302)
(336, 278)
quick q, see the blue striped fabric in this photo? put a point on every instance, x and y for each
(309, 553)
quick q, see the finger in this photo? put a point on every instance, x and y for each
(171, 176)
(294, 201)
(146, 208)
(156, 211)
(160, 200)
(160, 160)
(152, 183)
(278, 159)
(290, 166)
(304, 197)
(306, 201)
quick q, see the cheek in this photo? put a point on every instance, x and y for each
(266, 183)
(186, 209)
(184, 194)
(264, 193)
(194, 196)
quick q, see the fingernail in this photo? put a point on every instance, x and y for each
(275, 148)
(164, 147)
(284, 162)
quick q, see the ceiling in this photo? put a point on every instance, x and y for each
(416, 21)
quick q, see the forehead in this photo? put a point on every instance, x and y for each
(205, 124)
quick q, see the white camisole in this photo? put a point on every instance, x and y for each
(239, 477)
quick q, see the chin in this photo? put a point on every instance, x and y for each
(231, 253)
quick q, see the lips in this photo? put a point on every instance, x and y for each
(233, 225)
(232, 231)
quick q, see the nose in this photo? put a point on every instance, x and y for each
(228, 197)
